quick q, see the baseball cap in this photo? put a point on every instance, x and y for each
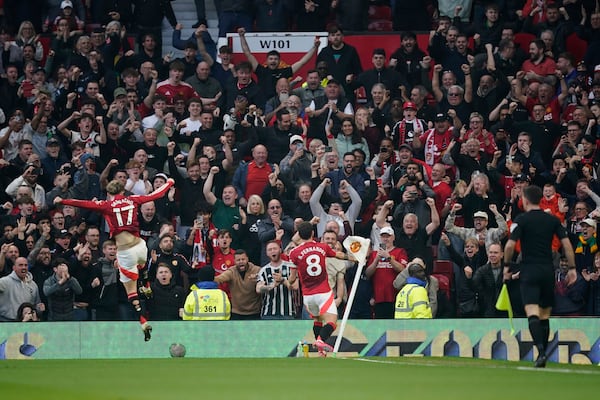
(333, 82)
(589, 221)
(296, 138)
(386, 230)
(52, 141)
(521, 178)
(405, 146)
(119, 92)
(480, 214)
(597, 68)
(63, 233)
(160, 175)
(66, 3)
(409, 104)
(84, 157)
(441, 117)
(40, 69)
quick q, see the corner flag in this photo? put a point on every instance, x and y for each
(503, 304)
(359, 248)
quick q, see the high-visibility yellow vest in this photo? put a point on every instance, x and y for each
(206, 305)
(412, 302)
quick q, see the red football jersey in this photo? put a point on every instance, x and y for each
(309, 259)
(170, 91)
(121, 213)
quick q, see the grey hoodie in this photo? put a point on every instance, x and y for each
(14, 292)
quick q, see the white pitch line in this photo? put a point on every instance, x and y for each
(442, 364)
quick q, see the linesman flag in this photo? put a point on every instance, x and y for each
(359, 248)
(503, 304)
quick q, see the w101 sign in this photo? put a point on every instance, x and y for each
(292, 46)
(283, 42)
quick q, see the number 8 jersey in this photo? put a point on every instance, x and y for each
(309, 259)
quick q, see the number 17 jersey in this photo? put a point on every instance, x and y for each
(120, 213)
(309, 259)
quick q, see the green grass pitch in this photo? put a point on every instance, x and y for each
(292, 378)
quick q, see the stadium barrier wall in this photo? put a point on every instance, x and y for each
(573, 340)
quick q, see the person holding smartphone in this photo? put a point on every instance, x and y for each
(383, 266)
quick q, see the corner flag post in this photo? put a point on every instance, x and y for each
(359, 248)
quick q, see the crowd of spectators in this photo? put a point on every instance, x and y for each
(430, 165)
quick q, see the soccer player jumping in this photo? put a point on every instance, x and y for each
(121, 215)
(309, 266)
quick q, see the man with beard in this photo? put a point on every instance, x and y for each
(491, 90)
(82, 270)
(106, 284)
(180, 268)
(341, 59)
(92, 239)
(278, 137)
(166, 302)
(539, 67)
(274, 286)
(346, 173)
(407, 59)
(245, 301)
(8, 255)
(41, 269)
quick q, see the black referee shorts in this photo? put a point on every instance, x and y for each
(537, 285)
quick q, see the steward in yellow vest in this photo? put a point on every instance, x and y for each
(412, 301)
(206, 302)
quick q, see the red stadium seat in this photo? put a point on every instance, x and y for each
(380, 18)
(380, 25)
(577, 47)
(443, 284)
(380, 12)
(444, 267)
(523, 39)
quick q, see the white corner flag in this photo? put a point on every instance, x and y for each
(358, 247)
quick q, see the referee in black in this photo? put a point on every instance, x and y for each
(535, 229)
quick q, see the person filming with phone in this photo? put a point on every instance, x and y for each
(296, 165)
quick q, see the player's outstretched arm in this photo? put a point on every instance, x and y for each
(158, 193)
